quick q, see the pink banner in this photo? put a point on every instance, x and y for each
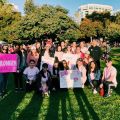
(8, 63)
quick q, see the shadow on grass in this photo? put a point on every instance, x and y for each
(32, 109)
(58, 106)
(54, 103)
(9, 104)
(82, 99)
(53, 108)
(71, 107)
(63, 97)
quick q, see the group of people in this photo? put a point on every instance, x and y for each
(38, 77)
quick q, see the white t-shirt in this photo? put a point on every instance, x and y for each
(44, 80)
(46, 54)
(31, 72)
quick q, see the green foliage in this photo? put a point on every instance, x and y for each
(29, 6)
(3, 1)
(113, 32)
(8, 22)
(118, 18)
(95, 16)
(91, 29)
(106, 26)
(104, 17)
(48, 21)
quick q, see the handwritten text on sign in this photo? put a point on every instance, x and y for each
(70, 79)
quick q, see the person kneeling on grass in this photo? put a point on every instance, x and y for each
(44, 80)
(94, 76)
(30, 75)
(109, 77)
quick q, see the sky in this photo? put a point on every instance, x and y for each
(71, 5)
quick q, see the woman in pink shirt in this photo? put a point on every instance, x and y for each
(79, 53)
(94, 76)
(109, 77)
(33, 55)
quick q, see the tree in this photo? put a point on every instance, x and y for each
(48, 21)
(104, 17)
(113, 32)
(117, 18)
(3, 1)
(29, 6)
(8, 22)
(91, 29)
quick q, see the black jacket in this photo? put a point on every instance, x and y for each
(39, 77)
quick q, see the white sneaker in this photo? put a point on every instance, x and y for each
(94, 91)
(54, 89)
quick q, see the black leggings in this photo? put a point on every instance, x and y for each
(18, 80)
(30, 87)
(55, 83)
(106, 86)
(94, 84)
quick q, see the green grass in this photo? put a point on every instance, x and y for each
(78, 104)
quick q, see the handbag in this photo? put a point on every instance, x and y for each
(101, 92)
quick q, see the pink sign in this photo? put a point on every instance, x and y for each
(8, 63)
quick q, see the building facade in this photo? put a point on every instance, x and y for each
(90, 8)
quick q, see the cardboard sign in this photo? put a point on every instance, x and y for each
(8, 63)
(70, 79)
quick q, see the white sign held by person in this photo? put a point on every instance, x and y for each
(70, 79)
(49, 61)
(71, 59)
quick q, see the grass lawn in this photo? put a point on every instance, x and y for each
(79, 104)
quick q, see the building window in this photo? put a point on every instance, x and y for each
(91, 7)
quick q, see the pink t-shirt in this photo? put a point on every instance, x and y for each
(92, 76)
(110, 74)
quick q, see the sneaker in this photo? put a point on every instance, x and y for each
(94, 91)
(21, 89)
(54, 89)
(16, 90)
(48, 92)
(107, 95)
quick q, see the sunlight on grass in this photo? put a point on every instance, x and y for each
(60, 111)
(43, 109)
(22, 105)
(72, 104)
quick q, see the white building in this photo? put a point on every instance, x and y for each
(115, 12)
(90, 8)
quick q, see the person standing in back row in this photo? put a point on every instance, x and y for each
(95, 52)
